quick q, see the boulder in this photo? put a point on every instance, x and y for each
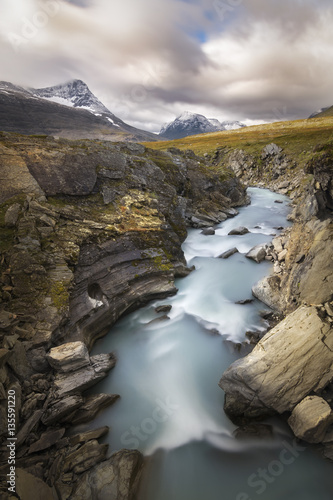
(282, 255)
(88, 455)
(238, 231)
(114, 479)
(80, 380)
(29, 487)
(277, 245)
(47, 439)
(257, 253)
(270, 150)
(163, 309)
(92, 406)
(69, 357)
(209, 231)
(228, 253)
(59, 409)
(267, 291)
(83, 437)
(12, 215)
(285, 366)
(310, 419)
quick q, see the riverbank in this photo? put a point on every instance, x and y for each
(290, 370)
(89, 232)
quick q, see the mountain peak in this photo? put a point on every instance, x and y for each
(74, 93)
(188, 123)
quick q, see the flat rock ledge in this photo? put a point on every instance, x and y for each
(292, 360)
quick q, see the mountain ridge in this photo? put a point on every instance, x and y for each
(188, 123)
(69, 110)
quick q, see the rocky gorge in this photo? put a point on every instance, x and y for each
(290, 370)
(90, 230)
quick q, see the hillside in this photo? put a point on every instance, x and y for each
(296, 138)
(70, 111)
(324, 113)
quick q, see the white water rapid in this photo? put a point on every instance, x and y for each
(167, 374)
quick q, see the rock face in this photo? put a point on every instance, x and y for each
(286, 365)
(89, 231)
(111, 480)
(311, 418)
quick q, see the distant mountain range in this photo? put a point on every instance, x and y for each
(70, 110)
(323, 112)
(192, 124)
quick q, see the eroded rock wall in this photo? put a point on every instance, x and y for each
(89, 231)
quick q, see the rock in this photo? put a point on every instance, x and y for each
(4, 356)
(80, 380)
(268, 291)
(115, 479)
(228, 253)
(278, 201)
(277, 245)
(92, 406)
(83, 437)
(238, 231)
(284, 185)
(19, 363)
(28, 427)
(254, 432)
(282, 255)
(244, 302)
(285, 366)
(257, 253)
(59, 409)
(37, 359)
(12, 215)
(69, 357)
(29, 487)
(300, 258)
(329, 308)
(310, 419)
(163, 309)
(86, 456)
(270, 150)
(47, 439)
(209, 231)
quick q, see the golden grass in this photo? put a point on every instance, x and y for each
(295, 137)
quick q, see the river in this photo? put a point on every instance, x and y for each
(168, 370)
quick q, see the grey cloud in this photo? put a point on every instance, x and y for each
(265, 59)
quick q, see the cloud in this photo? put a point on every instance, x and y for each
(149, 60)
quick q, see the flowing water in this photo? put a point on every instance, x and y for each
(167, 374)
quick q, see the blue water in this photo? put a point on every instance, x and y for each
(167, 374)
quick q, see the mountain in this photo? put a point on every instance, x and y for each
(192, 124)
(70, 110)
(323, 112)
(74, 94)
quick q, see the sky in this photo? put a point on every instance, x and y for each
(149, 60)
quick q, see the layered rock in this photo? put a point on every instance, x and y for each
(292, 365)
(290, 362)
(90, 231)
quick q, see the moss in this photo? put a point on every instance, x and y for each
(60, 295)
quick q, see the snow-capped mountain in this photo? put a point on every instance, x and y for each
(232, 125)
(70, 110)
(75, 94)
(192, 124)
